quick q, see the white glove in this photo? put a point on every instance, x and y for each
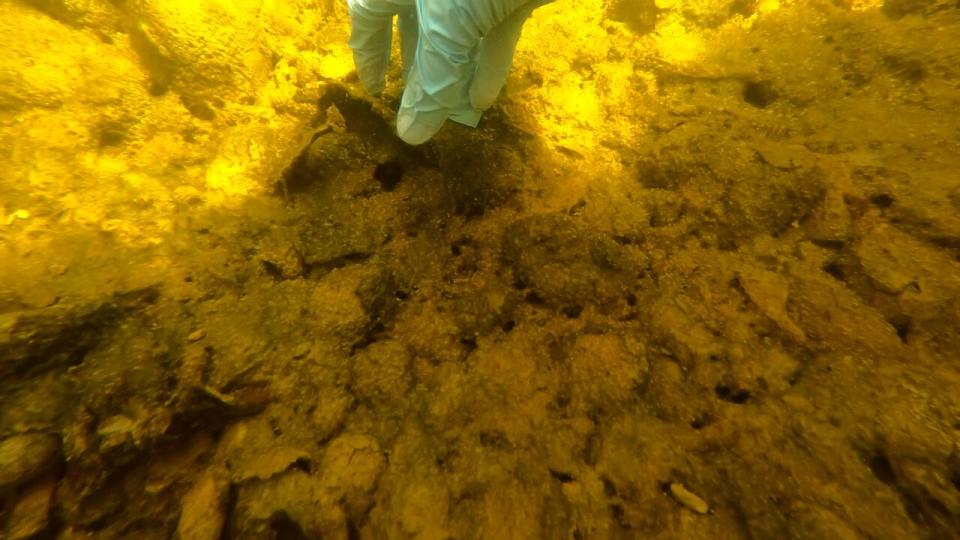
(457, 55)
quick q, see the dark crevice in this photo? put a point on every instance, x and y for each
(286, 528)
(562, 477)
(388, 174)
(534, 299)
(835, 270)
(731, 395)
(319, 269)
(359, 114)
(619, 517)
(882, 469)
(469, 343)
(902, 324)
(882, 200)
(494, 439)
(371, 336)
(834, 245)
(591, 450)
(227, 533)
(609, 488)
(273, 270)
(53, 337)
(760, 94)
(353, 530)
(701, 421)
(298, 177)
(303, 464)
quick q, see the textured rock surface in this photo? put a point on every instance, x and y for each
(695, 276)
(24, 457)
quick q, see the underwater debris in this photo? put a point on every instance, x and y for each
(688, 498)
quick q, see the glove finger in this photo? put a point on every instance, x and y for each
(409, 37)
(370, 37)
(495, 57)
(439, 83)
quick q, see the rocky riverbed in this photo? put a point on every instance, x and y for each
(697, 275)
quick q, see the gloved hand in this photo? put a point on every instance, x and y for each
(456, 56)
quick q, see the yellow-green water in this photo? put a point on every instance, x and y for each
(696, 275)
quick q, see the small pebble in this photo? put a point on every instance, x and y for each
(688, 499)
(198, 335)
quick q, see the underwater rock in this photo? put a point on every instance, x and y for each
(772, 203)
(831, 313)
(99, 16)
(258, 449)
(565, 264)
(711, 14)
(808, 521)
(769, 292)
(211, 60)
(352, 464)
(116, 432)
(267, 446)
(337, 310)
(424, 385)
(830, 224)
(292, 505)
(665, 207)
(35, 341)
(381, 372)
(64, 63)
(328, 155)
(639, 15)
(897, 263)
(340, 240)
(350, 469)
(331, 411)
(203, 510)
(24, 457)
(31, 514)
(897, 9)
(207, 406)
(606, 369)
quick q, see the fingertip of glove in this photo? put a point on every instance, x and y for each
(374, 88)
(483, 103)
(416, 128)
(482, 100)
